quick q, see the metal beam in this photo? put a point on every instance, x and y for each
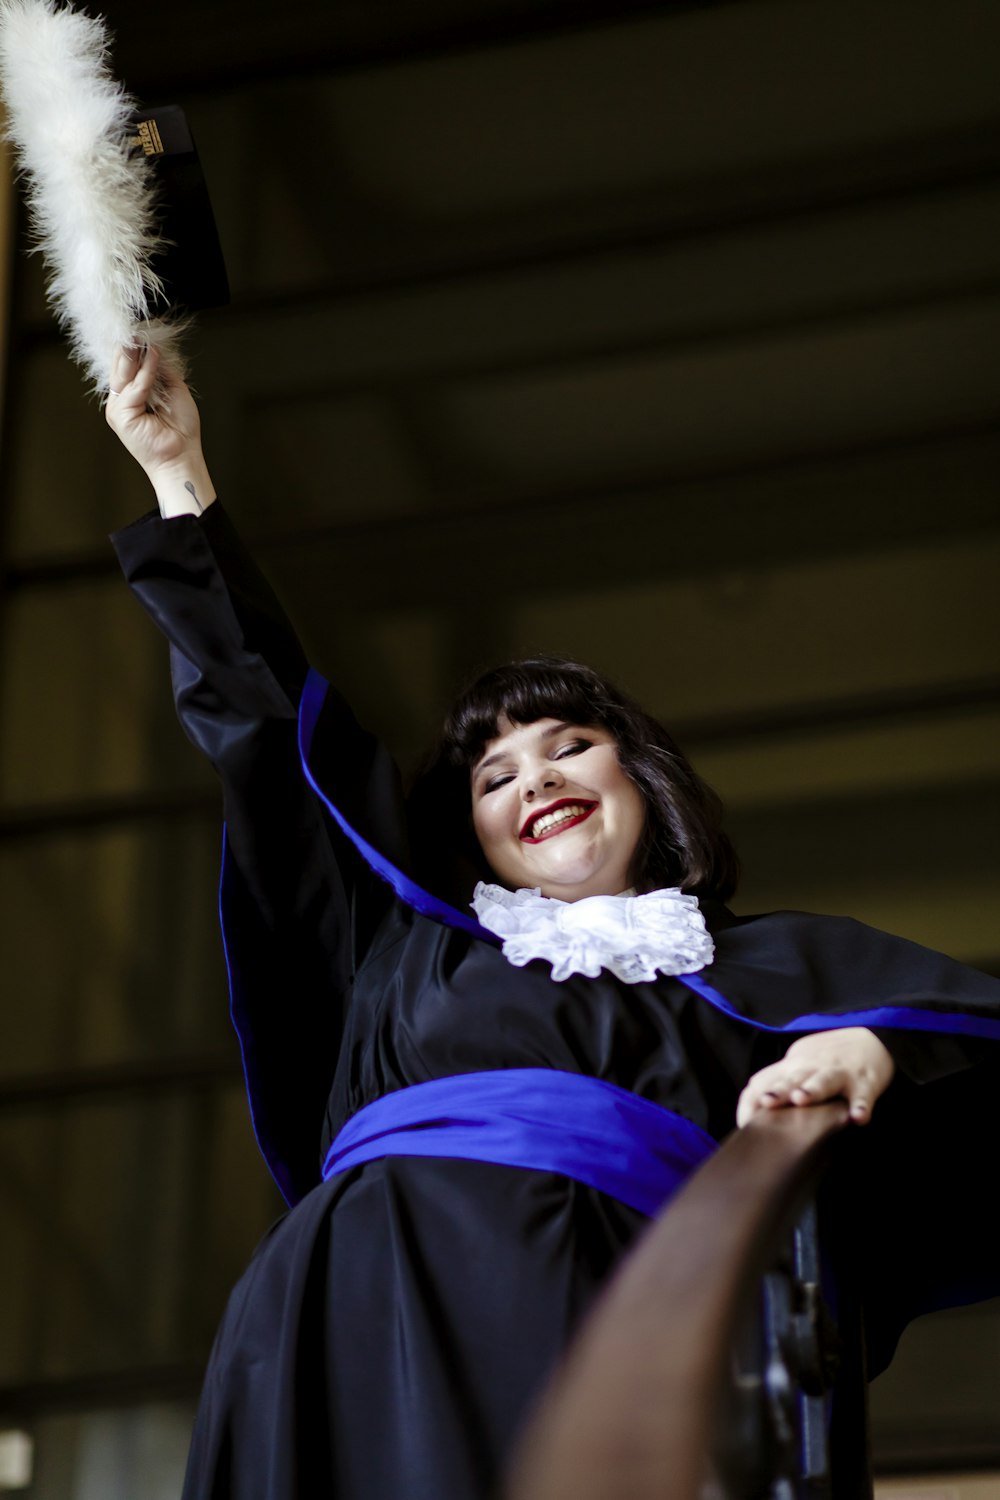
(119, 1081)
(411, 560)
(924, 166)
(133, 1386)
(940, 699)
(261, 43)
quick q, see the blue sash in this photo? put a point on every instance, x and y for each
(537, 1118)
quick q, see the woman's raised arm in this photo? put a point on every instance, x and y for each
(166, 443)
(299, 906)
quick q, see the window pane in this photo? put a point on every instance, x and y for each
(104, 1455)
(126, 1222)
(86, 698)
(111, 948)
(70, 479)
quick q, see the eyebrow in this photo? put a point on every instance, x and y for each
(549, 734)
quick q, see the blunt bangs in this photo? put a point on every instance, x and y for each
(523, 692)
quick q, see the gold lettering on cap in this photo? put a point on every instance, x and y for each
(149, 138)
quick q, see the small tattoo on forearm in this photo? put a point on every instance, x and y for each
(194, 496)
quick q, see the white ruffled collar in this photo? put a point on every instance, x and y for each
(634, 937)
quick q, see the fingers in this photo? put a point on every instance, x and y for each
(784, 1084)
(154, 415)
(123, 369)
(133, 375)
(853, 1065)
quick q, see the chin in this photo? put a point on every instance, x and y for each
(577, 890)
(565, 885)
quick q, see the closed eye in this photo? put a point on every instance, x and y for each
(571, 747)
(575, 747)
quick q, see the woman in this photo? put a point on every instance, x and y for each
(473, 1085)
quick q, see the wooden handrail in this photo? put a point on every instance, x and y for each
(631, 1411)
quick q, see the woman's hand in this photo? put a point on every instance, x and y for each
(166, 442)
(848, 1063)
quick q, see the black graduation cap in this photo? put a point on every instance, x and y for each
(190, 265)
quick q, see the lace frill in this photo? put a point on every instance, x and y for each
(634, 937)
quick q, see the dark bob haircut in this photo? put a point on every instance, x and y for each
(683, 843)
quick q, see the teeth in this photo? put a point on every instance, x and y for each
(553, 819)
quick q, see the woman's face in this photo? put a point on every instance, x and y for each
(553, 808)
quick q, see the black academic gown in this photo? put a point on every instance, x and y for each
(394, 1328)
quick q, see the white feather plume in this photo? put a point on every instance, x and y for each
(91, 197)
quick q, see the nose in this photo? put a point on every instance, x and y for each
(542, 779)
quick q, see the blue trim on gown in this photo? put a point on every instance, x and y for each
(901, 1017)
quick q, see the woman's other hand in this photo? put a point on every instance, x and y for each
(846, 1063)
(166, 442)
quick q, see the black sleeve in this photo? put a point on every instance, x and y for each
(292, 884)
(924, 1056)
(237, 670)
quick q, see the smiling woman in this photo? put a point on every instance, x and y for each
(553, 808)
(472, 1120)
(547, 711)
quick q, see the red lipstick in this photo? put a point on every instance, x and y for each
(543, 812)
